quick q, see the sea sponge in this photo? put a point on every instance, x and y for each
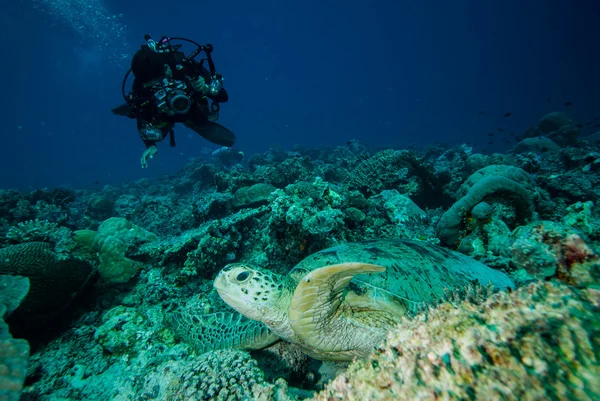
(496, 182)
(450, 227)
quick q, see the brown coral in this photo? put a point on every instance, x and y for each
(54, 278)
(539, 342)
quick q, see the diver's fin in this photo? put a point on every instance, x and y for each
(215, 133)
(122, 110)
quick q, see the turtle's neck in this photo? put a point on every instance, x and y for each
(280, 323)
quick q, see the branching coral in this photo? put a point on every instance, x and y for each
(32, 230)
(219, 375)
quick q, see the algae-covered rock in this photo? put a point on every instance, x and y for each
(547, 249)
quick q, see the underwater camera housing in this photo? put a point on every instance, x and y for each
(171, 96)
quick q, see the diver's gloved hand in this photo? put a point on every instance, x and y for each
(148, 154)
(198, 84)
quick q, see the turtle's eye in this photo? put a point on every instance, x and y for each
(242, 276)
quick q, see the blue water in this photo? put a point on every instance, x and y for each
(315, 73)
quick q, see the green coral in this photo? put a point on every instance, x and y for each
(512, 173)
(311, 208)
(119, 330)
(253, 196)
(111, 241)
(32, 230)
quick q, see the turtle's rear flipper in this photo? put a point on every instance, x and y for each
(220, 331)
(318, 317)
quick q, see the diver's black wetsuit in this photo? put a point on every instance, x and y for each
(148, 68)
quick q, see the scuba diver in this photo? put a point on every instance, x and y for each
(170, 87)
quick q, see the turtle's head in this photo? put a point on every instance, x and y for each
(256, 293)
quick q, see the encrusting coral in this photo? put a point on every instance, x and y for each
(539, 342)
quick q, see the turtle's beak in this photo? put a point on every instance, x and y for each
(219, 281)
(222, 286)
(228, 294)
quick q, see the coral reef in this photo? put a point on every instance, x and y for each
(157, 244)
(539, 342)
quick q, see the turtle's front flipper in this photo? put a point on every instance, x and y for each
(221, 331)
(322, 322)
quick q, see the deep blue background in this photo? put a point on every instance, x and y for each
(298, 72)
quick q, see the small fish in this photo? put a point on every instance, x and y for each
(579, 125)
(507, 114)
(512, 134)
(501, 129)
(588, 123)
(480, 112)
(491, 134)
(490, 142)
(569, 103)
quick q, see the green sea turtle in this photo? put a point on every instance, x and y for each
(326, 309)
